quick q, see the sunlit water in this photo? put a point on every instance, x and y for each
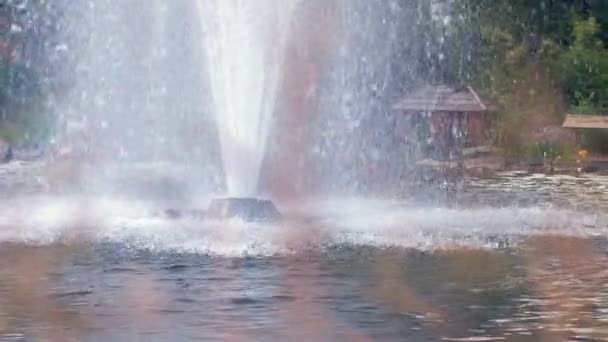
(507, 261)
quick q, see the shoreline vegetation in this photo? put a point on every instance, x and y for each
(538, 60)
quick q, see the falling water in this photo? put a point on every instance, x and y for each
(245, 46)
(130, 105)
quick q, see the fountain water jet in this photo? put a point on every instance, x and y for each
(245, 46)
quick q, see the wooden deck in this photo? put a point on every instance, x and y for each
(586, 121)
(492, 163)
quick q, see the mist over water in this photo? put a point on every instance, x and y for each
(314, 225)
(189, 100)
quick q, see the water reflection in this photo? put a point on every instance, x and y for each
(550, 288)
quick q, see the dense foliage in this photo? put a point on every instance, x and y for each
(538, 59)
(26, 31)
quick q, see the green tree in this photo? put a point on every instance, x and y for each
(584, 69)
(538, 59)
(22, 116)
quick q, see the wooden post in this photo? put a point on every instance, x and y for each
(460, 143)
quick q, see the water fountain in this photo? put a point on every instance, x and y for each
(207, 86)
(187, 97)
(245, 45)
(158, 82)
(245, 48)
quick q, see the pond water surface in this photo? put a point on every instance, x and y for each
(516, 258)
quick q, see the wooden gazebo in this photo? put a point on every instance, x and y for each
(452, 118)
(578, 123)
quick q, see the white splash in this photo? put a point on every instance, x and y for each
(245, 46)
(46, 220)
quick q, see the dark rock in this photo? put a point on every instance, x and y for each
(6, 151)
(178, 214)
(28, 153)
(247, 209)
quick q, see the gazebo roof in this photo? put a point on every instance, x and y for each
(586, 121)
(444, 99)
